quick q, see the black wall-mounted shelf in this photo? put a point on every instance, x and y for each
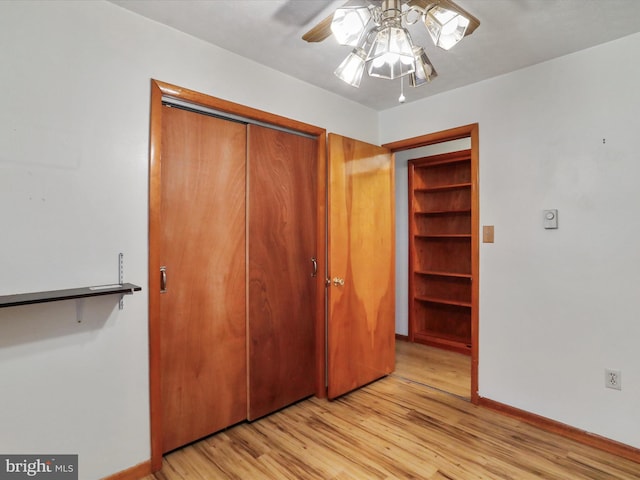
(68, 294)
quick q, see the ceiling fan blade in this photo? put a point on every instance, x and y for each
(321, 31)
(426, 4)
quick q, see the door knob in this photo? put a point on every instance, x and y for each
(338, 282)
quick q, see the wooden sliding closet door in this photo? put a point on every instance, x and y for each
(203, 311)
(282, 281)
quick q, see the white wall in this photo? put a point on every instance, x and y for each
(73, 194)
(557, 307)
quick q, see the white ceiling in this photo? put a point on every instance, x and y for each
(513, 34)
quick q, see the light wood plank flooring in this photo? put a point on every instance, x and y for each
(395, 428)
(442, 369)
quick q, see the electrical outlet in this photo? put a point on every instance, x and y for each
(613, 379)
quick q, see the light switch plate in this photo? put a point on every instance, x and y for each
(487, 234)
(550, 219)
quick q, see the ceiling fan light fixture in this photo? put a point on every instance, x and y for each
(351, 69)
(391, 54)
(349, 24)
(424, 70)
(378, 32)
(445, 25)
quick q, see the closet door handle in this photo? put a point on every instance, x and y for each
(163, 279)
(314, 263)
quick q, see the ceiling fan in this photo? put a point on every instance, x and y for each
(382, 43)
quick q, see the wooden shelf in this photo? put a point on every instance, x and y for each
(445, 235)
(444, 188)
(445, 212)
(445, 161)
(443, 274)
(449, 342)
(444, 301)
(67, 294)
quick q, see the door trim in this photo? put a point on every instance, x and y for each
(466, 131)
(158, 91)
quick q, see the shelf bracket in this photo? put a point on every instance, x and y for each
(79, 309)
(121, 277)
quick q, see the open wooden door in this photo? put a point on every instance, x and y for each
(361, 265)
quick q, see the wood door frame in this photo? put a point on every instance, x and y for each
(467, 131)
(158, 91)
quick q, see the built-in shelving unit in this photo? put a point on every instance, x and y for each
(67, 294)
(440, 239)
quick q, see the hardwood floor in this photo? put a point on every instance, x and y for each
(442, 369)
(395, 428)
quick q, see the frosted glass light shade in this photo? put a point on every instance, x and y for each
(391, 55)
(349, 23)
(446, 27)
(352, 67)
(424, 72)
